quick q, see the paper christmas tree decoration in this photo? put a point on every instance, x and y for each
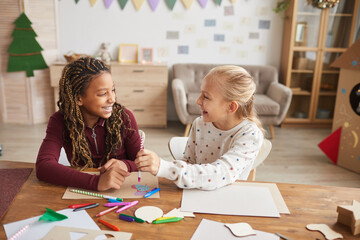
(24, 50)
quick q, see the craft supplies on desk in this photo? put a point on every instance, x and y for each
(86, 207)
(153, 191)
(109, 225)
(106, 211)
(95, 194)
(129, 189)
(142, 140)
(38, 231)
(127, 206)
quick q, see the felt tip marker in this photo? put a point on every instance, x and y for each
(109, 225)
(155, 190)
(86, 207)
(126, 218)
(80, 205)
(106, 211)
(127, 206)
(167, 220)
(117, 204)
(95, 194)
(139, 220)
(142, 140)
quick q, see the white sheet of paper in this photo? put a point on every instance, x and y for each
(212, 230)
(275, 193)
(79, 219)
(231, 200)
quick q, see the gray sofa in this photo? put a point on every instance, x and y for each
(272, 99)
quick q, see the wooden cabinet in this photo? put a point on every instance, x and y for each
(140, 88)
(313, 39)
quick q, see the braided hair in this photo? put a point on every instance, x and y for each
(75, 79)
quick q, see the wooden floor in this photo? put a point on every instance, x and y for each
(294, 158)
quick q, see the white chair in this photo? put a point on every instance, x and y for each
(177, 147)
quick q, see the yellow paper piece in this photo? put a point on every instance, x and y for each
(187, 3)
(138, 4)
(233, 1)
(92, 2)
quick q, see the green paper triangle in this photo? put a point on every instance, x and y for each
(170, 3)
(23, 33)
(76, 1)
(51, 216)
(22, 21)
(218, 2)
(122, 3)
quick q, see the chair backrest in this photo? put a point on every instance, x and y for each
(177, 147)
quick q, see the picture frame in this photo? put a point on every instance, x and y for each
(301, 33)
(128, 53)
(146, 56)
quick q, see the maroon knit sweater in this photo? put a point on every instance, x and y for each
(48, 169)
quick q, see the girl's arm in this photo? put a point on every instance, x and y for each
(47, 167)
(235, 164)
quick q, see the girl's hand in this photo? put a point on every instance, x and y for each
(112, 174)
(147, 161)
(113, 163)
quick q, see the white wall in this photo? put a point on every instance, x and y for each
(82, 28)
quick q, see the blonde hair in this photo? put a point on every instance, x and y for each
(236, 84)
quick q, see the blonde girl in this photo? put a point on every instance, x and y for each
(223, 142)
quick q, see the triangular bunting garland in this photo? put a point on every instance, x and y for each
(108, 3)
(187, 3)
(138, 4)
(76, 1)
(153, 4)
(218, 2)
(170, 3)
(233, 1)
(203, 3)
(24, 50)
(122, 3)
(92, 2)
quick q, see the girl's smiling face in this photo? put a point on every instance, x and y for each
(214, 107)
(98, 99)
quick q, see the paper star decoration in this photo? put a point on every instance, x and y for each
(350, 215)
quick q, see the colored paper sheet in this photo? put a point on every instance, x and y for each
(183, 49)
(330, 145)
(131, 188)
(108, 3)
(203, 3)
(264, 24)
(254, 35)
(187, 3)
(122, 3)
(92, 2)
(80, 219)
(153, 4)
(138, 4)
(231, 200)
(233, 1)
(76, 1)
(170, 4)
(212, 230)
(210, 23)
(172, 35)
(229, 10)
(219, 37)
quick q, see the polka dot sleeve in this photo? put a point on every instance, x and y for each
(235, 163)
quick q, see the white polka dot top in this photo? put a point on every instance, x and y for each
(214, 158)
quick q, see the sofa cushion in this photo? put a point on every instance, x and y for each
(192, 107)
(265, 105)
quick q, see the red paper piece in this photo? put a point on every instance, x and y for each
(330, 145)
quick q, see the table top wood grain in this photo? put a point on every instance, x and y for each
(307, 204)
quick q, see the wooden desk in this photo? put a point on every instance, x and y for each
(307, 204)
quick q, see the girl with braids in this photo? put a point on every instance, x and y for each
(223, 142)
(95, 131)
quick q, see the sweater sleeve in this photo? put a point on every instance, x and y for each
(223, 171)
(132, 141)
(50, 170)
